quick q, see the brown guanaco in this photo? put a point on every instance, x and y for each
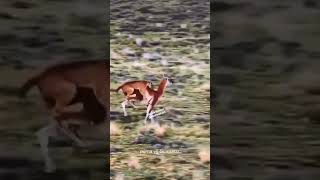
(58, 87)
(148, 96)
(131, 90)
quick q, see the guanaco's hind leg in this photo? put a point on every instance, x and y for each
(65, 129)
(130, 92)
(128, 101)
(131, 101)
(43, 136)
(124, 104)
(132, 95)
(60, 94)
(132, 104)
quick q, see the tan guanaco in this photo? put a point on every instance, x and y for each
(131, 90)
(149, 96)
(58, 87)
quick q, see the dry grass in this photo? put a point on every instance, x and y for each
(133, 162)
(159, 131)
(196, 131)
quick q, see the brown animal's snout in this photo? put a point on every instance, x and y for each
(171, 80)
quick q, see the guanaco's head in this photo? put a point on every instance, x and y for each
(169, 81)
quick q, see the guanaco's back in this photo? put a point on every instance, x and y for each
(128, 88)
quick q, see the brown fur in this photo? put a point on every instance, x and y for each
(152, 96)
(93, 111)
(149, 96)
(65, 86)
(128, 88)
(57, 84)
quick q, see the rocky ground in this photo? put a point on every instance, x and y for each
(149, 38)
(265, 71)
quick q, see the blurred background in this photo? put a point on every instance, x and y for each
(149, 38)
(266, 80)
(35, 34)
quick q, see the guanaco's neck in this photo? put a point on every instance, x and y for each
(162, 87)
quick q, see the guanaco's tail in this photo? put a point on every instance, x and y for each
(28, 85)
(116, 90)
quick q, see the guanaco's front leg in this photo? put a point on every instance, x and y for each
(124, 104)
(149, 108)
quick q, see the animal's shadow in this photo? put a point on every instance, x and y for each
(131, 118)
